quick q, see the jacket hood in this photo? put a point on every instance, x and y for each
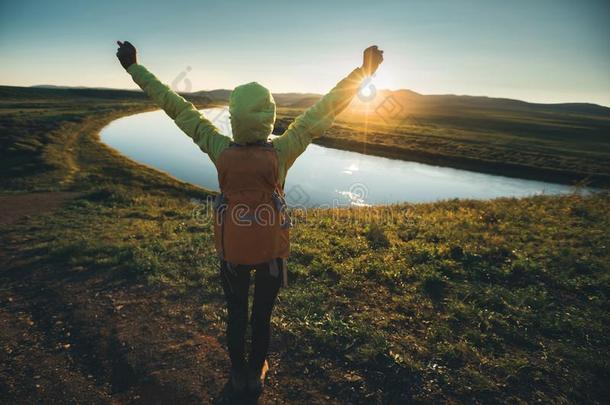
(252, 111)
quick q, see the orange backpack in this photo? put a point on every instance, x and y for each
(251, 224)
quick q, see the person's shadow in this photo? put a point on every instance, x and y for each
(229, 397)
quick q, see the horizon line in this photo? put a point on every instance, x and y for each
(64, 87)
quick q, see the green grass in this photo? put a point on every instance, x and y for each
(471, 301)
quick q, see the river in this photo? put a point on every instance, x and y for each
(321, 176)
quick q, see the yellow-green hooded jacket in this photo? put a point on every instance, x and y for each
(252, 111)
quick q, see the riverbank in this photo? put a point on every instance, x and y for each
(507, 169)
(112, 294)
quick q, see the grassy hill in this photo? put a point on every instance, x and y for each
(556, 142)
(115, 296)
(32, 145)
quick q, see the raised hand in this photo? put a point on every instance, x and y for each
(372, 58)
(126, 54)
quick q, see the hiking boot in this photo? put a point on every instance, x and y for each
(238, 380)
(256, 380)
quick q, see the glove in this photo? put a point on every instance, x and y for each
(126, 54)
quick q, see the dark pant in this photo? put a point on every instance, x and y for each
(236, 283)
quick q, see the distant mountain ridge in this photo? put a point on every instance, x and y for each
(53, 86)
(404, 97)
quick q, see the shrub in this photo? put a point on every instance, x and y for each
(375, 234)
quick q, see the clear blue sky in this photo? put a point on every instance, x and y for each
(539, 50)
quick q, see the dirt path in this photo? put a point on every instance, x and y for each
(73, 336)
(15, 206)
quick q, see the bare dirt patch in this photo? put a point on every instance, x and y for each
(15, 206)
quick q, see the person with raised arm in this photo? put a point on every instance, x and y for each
(251, 224)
